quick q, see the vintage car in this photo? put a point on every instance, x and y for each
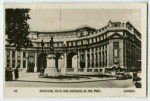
(127, 76)
(137, 80)
(120, 75)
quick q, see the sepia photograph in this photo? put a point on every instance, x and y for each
(74, 48)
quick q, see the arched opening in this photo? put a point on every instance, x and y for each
(72, 60)
(59, 61)
(40, 59)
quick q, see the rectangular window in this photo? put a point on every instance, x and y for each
(18, 63)
(90, 40)
(74, 43)
(84, 42)
(88, 64)
(24, 63)
(94, 40)
(96, 56)
(116, 45)
(24, 54)
(92, 56)
(92, 49)
(88, 49)
(97, 39)
(13, 53)
(103, 59)
(18, 53)
(100, 56)
(13, 63)
(106, 57)
(58, 44)
(96, 49)
(115, 53)
(88, 57)
(79, 42)
(116, 49)
(31, 52)
(8, 62)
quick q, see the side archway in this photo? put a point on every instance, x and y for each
(40, 59)
(70, 59)
(59, 61)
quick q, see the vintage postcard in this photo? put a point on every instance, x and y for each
(75, 50)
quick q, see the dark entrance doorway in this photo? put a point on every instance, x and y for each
(41, 58)
(69, 59)
(58, 56)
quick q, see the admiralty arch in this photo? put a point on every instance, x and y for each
(115, 46)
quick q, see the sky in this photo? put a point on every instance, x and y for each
(71, 19)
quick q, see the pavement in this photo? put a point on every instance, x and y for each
(32, 80)
(33, 77)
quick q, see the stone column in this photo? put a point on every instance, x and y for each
(27, 59)
(5, 58)
(101, 56)
(104, 56)
(21, 62)
(98, 56)
(78, 59)
(125, 56)
(94, 58)
(16, 59)
(35, 67)
(10, 59)
(63, 70)
(86, 62)
(108, 55)
(90, 58)
(65, 57)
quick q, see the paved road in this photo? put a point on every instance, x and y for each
(102, 84)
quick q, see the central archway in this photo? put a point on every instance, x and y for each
(59, 61)
(40, 59)
(72, 57)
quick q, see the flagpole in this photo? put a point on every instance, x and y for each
(60, 19)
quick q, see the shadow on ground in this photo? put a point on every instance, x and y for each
(77, 76)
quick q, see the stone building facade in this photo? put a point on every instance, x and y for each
(116, 45)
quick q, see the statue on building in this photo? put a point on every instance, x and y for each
(51, 45)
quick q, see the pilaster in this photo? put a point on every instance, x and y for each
(35, 61)
(10, 59)
(16, 59)
(108, 55)
(90, 58)
(21, 55)
(27, 60)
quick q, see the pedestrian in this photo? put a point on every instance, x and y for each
(16, 73)
(10, 74)
(6, 74)
(134, 76)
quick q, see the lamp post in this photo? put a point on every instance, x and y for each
(42, 65)
(27, 43)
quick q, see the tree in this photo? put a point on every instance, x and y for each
(16, 27)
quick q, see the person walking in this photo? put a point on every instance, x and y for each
(6, 74)
(10, 74)
(16, 73)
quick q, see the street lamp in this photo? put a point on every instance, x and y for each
(42, 66)
(27, 43)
